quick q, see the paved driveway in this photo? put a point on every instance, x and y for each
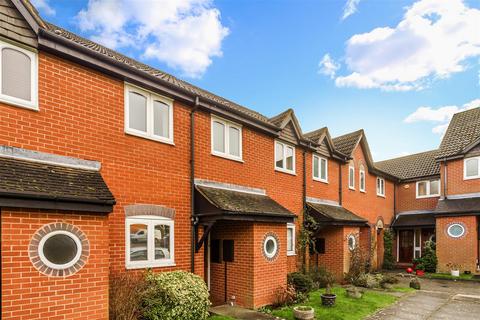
(437, 300)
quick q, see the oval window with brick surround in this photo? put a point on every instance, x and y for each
(456, 230)
(59, 249)
(270, 246)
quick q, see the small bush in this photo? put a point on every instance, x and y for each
(428, 261)
(358, 265)
(284, 296)
(321, 277)
(300, 281)
(388, 260)
(389, 278)
(368, 280)
(176, 295)
(126, 295)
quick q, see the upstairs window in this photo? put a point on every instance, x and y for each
(290, 239)
(362, 178)
(226, 139)
(148, 115)
(320, 168)
(380, 187)
(428, 188)
(351, 176)
(471, 168)
(18, 79)
(284, 157)
(150, 242)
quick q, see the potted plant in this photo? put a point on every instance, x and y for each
(303, 313)
(454, 269)
(328, 298)
(420, 270)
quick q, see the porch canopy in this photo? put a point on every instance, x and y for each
(414, 219)
(334, 215)
(465, 206)
(213, 204)
(37, 185)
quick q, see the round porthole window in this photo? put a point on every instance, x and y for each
(456, 230)
(59, 249)
(270, 246)
(352, 242)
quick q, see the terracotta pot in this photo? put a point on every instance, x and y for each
(303, 313)
(420, 273)
(328, 299)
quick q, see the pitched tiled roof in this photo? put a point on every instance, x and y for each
(346, 143)
(452, 206)
(315, 135)
(411, 166)
(117, 57)
(27, 179)
(463, 130)
(236, 202)
(333, 214)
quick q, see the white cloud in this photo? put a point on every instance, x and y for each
(328, 66)
(184, 34)
(441, 115)
(44, 7)
(350, 8)
(433, 40)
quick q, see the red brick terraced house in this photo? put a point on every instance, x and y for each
(110, 166)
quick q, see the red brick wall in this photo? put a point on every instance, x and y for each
(407, 201)
(82, 115)
(28, 294)
(463, 250)
(322, 190)
(268, 275)
(455, 182)
(333, 258)
(240, 272)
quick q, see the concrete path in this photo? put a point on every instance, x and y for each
(438, 299)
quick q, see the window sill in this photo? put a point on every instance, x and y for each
(291, 254)
(286, 171)
(471, 178)
(381, 195)
(225, 156)
(426, 197)
(150, 265)
(148, 137)
(320, 180)
(351, 188)
(363, 191)
(18, 104)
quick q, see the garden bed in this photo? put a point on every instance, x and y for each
(345, 308)
(447, 276)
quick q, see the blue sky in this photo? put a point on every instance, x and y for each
(399, 69)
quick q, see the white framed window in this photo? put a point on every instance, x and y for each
(149, 242)
(351, 176)
(352, 242)
(320, 168)
(60, 249)
(456, 230)
(148, 115)
(361, 178)
(471, 168)
(18, 76)
(380, 187)
(284, 157)
(270, 247)
(428, 188)
(226, 139)
(290, 239)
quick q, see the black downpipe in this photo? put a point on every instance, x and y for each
(340, 195)
(394, 200)
(304, 195)
(445, 178)
(192, 185)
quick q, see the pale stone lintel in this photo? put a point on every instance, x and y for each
(323, 201)
(149, 210)
(48, 158)
(229, 186)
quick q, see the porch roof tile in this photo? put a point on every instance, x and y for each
(406, 220)
(333, 214)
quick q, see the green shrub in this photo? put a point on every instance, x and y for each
(176, 295)
(389, 278)
(428, 261)
(368, 280)
(321, 277)
(300, 281)
(388, 260)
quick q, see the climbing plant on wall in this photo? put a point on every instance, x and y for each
(388, 260)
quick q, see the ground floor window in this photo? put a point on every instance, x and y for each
(290, 239)
(352, 242)
(456, 230)
(149, 242)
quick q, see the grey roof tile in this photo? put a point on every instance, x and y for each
(412, 166)
(347, 142)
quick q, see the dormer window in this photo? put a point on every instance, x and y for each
(18, 79)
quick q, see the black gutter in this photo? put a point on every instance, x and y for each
(193, 218)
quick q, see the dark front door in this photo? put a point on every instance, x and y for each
(405, 250)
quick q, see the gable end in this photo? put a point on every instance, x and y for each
(14, 26)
